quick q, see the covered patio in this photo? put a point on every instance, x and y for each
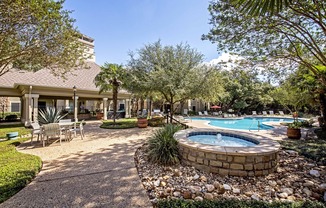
(41, 89)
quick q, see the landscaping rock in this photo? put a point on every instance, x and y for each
(293, 179)
(283, 195)
(187, 195)
(255, 197)
(227, 187)
(176, 194)
(209, 196)
(314, 173)
(195, 189)
(307, 191)
(236, 191)
(199, 198)
(157, 183)
(195, 177)
(308, 183)
(289, 191)
(203, 178)
(210, 187)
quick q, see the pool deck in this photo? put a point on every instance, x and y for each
(277, 133)
(98, 171)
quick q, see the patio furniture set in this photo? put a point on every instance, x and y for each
(65, 128)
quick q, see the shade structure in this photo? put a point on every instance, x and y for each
(215, 107)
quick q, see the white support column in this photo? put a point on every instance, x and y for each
(127, 108)
(26, 110)
(76, 109)
(35, 107)
(105, 111)
(67, 105)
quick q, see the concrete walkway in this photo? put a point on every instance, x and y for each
(98, 171)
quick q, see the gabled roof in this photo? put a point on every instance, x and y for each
(83, 79)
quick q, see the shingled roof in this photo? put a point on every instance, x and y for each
(83, 78)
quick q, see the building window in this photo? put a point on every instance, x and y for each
(15, 107)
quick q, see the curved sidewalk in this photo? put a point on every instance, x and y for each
(98, 171)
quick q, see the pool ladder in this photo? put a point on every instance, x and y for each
(253, 122)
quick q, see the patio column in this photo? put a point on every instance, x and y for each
(67, 107)
(35, 107)
(105, 111)
(76, 109)
(127, 108)
(26, 113)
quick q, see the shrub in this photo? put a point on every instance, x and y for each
(162, 147)
(156, 121)
(50, 115)
(224, 203)
(119, 124)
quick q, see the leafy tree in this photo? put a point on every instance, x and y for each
(261, 7)
(36, 34)
(173, 71)
(290, 38)
(244, 89)
(110, 78)
(290, 96)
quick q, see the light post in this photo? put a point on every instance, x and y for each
(74, 89)
(75, 112)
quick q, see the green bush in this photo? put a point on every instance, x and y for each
(16, 169)
(50, 115)
(156, 121)
(162, 147)
(3, 116)
(120, 124)
(234, 203)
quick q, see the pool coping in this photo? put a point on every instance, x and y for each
(266, 145)
(273, 124)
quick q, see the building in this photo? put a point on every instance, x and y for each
(31, 91)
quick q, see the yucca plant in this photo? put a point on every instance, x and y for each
(50, 115)
(162, 147)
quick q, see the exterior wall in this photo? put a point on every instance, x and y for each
(229, 164)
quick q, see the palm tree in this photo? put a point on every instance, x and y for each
(261, 7)
(110, 78)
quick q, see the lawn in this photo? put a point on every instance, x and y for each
(124, 123)
(313, 149)
(16, 169)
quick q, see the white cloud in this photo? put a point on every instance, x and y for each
(226, 61)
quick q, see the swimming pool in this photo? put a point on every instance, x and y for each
(248, 123)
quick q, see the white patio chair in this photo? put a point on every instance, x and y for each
(281, 113)
(205, 113)
(51, 130)
(36, 131)
(264, 113)
(271, 113)
(79, 129)
(254, 113)
(200, 113)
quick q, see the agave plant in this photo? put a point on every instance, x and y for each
(163, 147)
(50, 115)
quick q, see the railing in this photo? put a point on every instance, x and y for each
(253, 122)
(178, 122)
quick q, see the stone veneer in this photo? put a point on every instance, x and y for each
(257, 160)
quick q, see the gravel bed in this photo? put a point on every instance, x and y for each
(296, 178)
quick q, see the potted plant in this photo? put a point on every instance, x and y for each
(294, 130)
(142, 121)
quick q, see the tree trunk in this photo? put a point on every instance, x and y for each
(322, 100)
(115, 101)
(171, 110)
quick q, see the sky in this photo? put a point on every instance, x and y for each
(121, 26)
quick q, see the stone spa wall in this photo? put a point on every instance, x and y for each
(258, 160)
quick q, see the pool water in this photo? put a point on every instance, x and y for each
(226, 141)
(245, 123)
